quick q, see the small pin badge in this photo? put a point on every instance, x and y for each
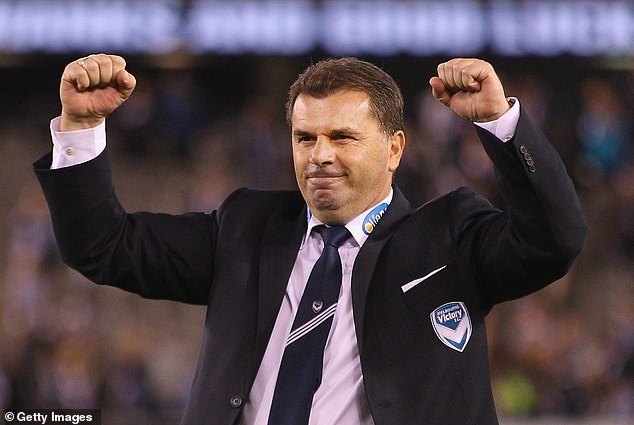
(317, 305)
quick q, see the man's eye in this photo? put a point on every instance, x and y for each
(345, 137)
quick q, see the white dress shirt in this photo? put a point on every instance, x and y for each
(340, 400)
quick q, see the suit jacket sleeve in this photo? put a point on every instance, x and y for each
(519, 251)
(153, 255)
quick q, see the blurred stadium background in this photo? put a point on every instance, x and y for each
(207, 117)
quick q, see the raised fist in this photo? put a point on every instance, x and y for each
(91, 88)
(471, 88)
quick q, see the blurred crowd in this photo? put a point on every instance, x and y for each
(567, 350)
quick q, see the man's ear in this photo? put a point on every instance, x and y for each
(396, 144)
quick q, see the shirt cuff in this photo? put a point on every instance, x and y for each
(504, 127)
(76, 147)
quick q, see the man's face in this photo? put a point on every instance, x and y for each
(343, 161)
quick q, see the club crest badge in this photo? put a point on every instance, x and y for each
(452, 325)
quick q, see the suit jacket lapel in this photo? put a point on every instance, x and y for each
(280, 244)
(367, 258)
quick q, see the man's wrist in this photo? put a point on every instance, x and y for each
(503, 110)
(69, 123)
(76, 146)
(504, 127)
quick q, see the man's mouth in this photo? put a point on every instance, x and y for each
(323, 181)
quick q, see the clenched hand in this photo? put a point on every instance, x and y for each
(91, 88)
(471, 88)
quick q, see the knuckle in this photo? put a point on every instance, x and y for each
(76, 74)
(91, 65)
(99, 59)
(70, 73)
(117, 59)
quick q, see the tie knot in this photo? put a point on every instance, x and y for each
(334, 235)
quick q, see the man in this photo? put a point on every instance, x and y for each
(392, 331)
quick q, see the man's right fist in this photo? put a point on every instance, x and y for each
(91, 88)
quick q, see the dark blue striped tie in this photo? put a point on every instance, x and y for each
(300, 371)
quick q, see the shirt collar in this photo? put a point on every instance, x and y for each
(356, 225)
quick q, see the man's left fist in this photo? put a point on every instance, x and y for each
(471, 88)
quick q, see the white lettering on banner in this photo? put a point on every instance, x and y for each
(265, 27)
(457, 27)
(556, 27)
(60, 26)
(393, 27)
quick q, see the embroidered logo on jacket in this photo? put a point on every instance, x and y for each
(452, 325)
(372, 219)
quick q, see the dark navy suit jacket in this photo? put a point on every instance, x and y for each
(237, 261)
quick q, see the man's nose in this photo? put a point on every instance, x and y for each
(323, 151)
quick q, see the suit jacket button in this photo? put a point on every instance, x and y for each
(236, 401)
(531, 168)
(523, 149)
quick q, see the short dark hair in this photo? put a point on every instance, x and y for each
(333, 75)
